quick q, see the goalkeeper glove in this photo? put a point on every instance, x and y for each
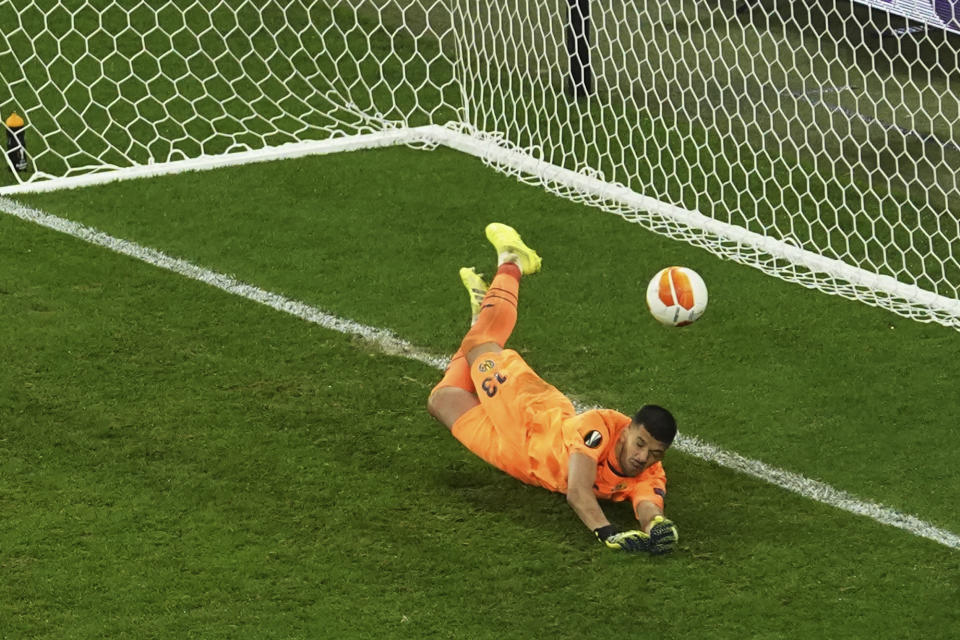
(663, 536)
(630, 541)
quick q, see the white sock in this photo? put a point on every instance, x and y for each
(509, 256)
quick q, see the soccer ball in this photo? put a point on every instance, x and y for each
(677, 296)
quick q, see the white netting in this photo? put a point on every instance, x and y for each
(104, 84)
(791, 121)
(787, 136)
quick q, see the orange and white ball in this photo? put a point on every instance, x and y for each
(677, 296)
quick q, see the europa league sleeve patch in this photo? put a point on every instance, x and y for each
(593, 439)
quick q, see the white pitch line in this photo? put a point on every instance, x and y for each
(394, 345)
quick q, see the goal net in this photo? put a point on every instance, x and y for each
(816, 141)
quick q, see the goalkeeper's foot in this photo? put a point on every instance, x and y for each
(476, 288)
(510, 248)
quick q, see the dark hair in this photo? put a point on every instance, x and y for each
(658, 422)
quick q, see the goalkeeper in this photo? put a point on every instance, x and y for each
(495, 404)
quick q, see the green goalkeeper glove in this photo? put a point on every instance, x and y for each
(663, 536)
(630, 541)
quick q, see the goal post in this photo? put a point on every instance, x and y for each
(786, 136)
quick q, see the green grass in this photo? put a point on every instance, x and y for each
(178, 462)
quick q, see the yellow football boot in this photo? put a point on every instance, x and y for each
(511, 248)
(476, 288)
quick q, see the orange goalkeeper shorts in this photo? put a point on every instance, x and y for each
(514, 403)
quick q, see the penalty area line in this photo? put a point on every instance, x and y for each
(391, 344)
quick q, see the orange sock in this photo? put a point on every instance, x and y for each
(498, 312)
(457, 374)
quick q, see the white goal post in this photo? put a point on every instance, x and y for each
(816, 141)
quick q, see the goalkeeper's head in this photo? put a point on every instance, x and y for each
(643, 443)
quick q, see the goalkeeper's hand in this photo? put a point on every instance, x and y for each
(662, 538)
(630, 541)
(663, 535)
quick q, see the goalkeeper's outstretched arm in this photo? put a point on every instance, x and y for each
(659, 535)
(646, 511)
(582, 473)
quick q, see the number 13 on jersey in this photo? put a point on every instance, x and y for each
(491, 384)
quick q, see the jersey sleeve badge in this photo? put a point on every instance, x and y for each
(593, 439)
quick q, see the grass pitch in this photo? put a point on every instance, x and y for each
(180, 462)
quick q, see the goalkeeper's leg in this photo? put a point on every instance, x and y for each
(498, 312)
(455, 394)
(494, 322)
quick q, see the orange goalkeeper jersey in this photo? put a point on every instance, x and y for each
(593, 433)
(527, 428)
